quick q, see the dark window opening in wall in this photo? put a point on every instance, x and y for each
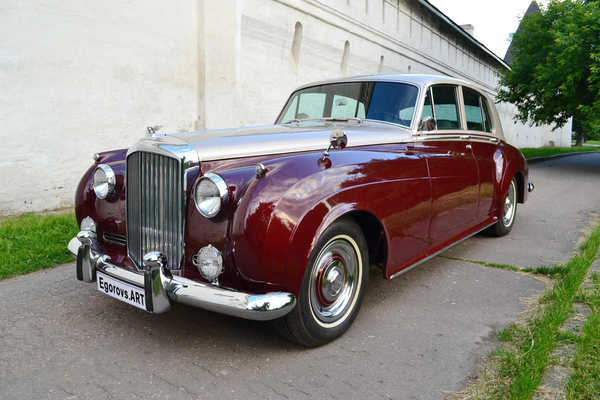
(297, 43)
(381, 63)
(345, 56)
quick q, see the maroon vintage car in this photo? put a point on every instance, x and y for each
(282, 222)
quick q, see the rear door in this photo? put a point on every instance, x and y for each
(484, 146)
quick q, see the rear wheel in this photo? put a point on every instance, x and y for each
(332, 287)
(504, 225)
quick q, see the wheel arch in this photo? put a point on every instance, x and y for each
(307, 234)
(520, 187)
(374, 234)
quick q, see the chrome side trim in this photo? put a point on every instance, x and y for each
(439, 251)
(163, 289)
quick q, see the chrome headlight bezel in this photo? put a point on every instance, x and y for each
(88, 224)
(104, 187)
(210, 206)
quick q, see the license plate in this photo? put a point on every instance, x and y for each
(121, 291)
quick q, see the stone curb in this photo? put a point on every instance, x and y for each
(558, 372)
(542, 159)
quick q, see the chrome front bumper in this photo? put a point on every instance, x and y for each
(162, 288)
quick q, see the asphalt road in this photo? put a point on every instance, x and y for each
(565, 202)
(417, 337)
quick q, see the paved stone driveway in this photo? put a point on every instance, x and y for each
(417, 337)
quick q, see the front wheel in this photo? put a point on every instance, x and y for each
(332, 288)
(509, 215)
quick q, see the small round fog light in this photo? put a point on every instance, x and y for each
(209, 263)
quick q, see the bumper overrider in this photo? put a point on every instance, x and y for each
(162, 288)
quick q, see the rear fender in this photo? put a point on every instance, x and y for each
(509, 164)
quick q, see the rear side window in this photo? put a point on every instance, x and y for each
(473, 110)
(445, 107)
(476, 111)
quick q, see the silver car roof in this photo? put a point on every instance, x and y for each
(421, 80)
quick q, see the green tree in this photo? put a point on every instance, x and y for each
(555, 72)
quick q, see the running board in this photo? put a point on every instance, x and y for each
(429, 257)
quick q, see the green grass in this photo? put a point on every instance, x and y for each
(584, 383)
(31, 242)
(485, 263)
(553, 271)
(593, 142)
(522, 364)
(552, 151)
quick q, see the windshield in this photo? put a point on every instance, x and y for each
(383, 101)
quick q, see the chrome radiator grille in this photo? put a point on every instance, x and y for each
(155, 205)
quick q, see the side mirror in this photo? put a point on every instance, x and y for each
(427, 124)
(337, 140)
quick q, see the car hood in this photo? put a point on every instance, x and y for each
(222, 144)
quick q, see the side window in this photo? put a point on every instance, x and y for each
(445, 107)
(487, 121)
(473, 110)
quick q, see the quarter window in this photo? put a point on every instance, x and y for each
(487, 121)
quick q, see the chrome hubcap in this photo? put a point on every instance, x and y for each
(510, 205)
(333, 281)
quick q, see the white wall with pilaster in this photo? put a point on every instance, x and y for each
(82, 77)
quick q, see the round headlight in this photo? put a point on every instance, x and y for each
(104, 181)
(209, 195)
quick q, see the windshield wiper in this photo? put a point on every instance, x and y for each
(328, 119)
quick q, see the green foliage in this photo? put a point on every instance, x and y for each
(556, 66)
(533, 152)
(31, 242)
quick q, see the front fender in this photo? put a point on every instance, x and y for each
(272, 207)
(284, 213)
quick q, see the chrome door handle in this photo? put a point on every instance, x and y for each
(468, 146)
